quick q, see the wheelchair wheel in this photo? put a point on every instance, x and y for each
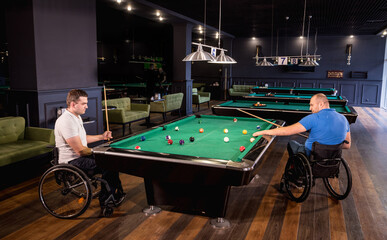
(298, 177)
(65, 191)
(340, 185)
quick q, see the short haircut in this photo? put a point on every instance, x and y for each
(320, 97)
(74, 95)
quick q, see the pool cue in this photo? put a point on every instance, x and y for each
(267, 121)
(106, 112)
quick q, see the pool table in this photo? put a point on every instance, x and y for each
(304, 98)
(195, 177)
(296, 90)
(287, 111)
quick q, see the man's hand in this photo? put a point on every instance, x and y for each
(259, 133)
(107, 135)
(85, 152)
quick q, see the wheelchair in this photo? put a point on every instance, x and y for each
(325, 162)
(66, 191)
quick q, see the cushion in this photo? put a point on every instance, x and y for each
(11, 129)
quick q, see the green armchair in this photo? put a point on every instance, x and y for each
(125, 112)
(200, 97)
(171, 102)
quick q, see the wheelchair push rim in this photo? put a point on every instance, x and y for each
(65, 191)
(340, 185)
(298, 178)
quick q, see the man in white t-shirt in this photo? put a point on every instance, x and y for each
(71, 141)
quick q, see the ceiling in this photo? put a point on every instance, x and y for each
(259, 18)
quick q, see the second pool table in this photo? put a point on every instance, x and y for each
(287, 111)
(302, 98)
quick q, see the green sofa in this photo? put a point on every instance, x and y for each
(240, 90)
(18, 142)
(168, 103)
(125, 112)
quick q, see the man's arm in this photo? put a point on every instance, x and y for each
(283, 131)
(348, 139)
(76, 144)
(94, 138)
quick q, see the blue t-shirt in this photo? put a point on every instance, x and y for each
(326, 127)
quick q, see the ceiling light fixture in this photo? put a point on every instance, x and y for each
(222, 58)
(307, 60)
(119, 1)
(200, 55)
(129, 8)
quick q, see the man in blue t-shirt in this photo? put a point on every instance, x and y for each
(326, 126)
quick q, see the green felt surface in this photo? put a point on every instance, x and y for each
(280, 106)
(284, 95)
(209, 144)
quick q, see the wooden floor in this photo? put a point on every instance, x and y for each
(256, 211)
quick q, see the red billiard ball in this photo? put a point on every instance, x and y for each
(137, 147)
(242, 148)
(170, 141)
(235, 120)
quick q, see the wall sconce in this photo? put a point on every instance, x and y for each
(348, 51)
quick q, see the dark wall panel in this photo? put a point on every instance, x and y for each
(370, 94)
(348, 90)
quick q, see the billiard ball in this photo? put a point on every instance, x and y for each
(258, 127)
(142, 138)
(176, 128)
(192, 139)
(252, 139)
(168, 137)
(226, 139)
(242, 148)
(181, 142)
(170, 141)
(201, 130)
(244, 131)
(225, 130)
(235, 120)
(137, 147)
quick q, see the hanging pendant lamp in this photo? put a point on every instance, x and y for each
(264, 63)
(199, 55)
(222, 58)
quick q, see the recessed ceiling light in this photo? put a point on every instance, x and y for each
(119, 1)
(351, 36)
(253, 38)
(158, 13)
(129, 8)
(301, 37)
(161, 18)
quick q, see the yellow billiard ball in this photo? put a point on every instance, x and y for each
(225, 130)
(244, 131)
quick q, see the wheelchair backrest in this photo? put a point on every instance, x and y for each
(321, 151)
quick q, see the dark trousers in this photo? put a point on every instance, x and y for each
(88, 165)
(295, 147)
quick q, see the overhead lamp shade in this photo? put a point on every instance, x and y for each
(223, 59)
(315, 62)
(199, 55)
(308, 63)
(264, 63)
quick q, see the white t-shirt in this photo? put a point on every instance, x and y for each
(67, 126)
